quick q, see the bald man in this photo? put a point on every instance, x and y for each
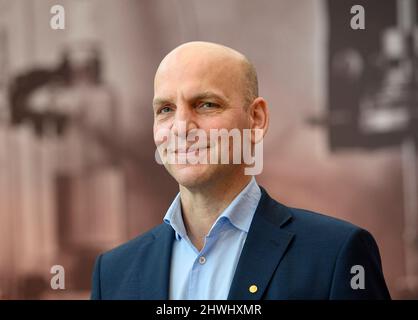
(224, 237)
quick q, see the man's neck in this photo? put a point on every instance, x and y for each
(201, 207)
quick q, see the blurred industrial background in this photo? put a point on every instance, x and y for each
(77, 168)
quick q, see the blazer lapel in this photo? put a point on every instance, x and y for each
(155, 283)
(263, 250)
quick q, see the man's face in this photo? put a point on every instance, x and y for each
(195, 90)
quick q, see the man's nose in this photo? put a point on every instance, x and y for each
(184, 121)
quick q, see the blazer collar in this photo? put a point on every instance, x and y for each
(263, 250)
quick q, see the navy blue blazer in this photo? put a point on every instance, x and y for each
(289, 254)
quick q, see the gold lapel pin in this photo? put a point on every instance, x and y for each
(253, 288)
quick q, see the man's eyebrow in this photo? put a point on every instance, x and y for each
(210, 95)
(160, 101)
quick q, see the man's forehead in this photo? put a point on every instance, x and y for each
(189, 87)
(203, 65)
(196, 75)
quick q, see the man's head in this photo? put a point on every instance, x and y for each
(204, 86)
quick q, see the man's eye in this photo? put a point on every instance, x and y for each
(208, 105)
(164, 110)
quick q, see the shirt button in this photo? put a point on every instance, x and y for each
(202, 260)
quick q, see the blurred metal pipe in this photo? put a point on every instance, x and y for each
(410, 192)
(406, 14)
(406, 20)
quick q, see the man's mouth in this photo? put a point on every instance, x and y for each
(190, 150)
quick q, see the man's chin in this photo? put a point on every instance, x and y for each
(191, 175)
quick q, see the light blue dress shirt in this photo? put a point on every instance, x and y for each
(208, 274)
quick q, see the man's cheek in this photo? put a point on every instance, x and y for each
(161, 135)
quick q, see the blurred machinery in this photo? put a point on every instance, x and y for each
(373, 97)
(73, 180)
(71, 106)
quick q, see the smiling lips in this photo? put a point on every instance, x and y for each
(189, 150)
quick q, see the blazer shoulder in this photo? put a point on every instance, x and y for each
(320, 228)
(128, 249)
(319, 221)
(116, 269)
(313, 232)
(297, 219)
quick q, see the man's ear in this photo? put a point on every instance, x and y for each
(259, 118)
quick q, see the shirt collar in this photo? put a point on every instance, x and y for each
(239, 212)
